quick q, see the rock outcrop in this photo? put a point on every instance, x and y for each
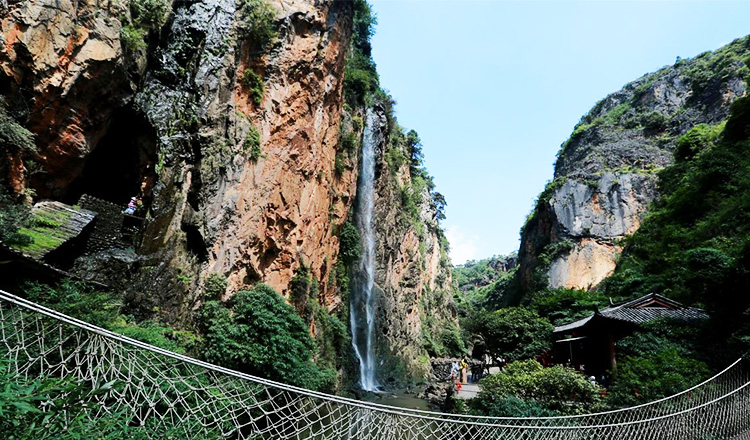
(412, 269)
(63, 70)
(605, 173)
(183, 112)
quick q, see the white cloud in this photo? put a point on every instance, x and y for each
(463, 246)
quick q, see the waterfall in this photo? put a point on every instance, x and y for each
(362, 303)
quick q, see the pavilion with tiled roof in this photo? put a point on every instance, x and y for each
(589, 342)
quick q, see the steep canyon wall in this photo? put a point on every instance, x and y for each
(232, 143)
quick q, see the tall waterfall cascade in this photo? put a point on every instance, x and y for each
(362, 307)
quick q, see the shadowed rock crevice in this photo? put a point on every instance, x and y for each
(122, 165)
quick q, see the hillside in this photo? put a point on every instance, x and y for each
(606, 173)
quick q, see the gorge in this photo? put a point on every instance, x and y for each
(228, 180)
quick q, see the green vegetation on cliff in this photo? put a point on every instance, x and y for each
(694, 245)
(145, 16)
(13, 217)
(14, 137)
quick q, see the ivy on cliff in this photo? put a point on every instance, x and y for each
(145, 16)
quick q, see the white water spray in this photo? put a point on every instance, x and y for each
(362, 304)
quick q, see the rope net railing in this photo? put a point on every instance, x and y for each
(160, 389)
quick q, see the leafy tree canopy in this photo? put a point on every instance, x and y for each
(262, 335)
(513, 333)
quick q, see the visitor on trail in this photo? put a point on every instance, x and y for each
(464, 370)
(131, 207)
(454, 371)
(476, 372)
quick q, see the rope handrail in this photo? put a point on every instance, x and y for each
(282, 386)
(307, 404)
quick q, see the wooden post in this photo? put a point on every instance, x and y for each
(612, 359)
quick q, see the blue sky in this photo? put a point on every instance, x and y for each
(494, 87)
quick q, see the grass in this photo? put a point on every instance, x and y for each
(44, 230)
(43, 241)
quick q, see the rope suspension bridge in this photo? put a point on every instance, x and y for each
(158, 388)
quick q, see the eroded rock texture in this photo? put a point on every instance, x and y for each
(232, 178)
(170, 124)
(62, 70)
(412, 271)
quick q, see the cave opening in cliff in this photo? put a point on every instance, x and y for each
(122, 165)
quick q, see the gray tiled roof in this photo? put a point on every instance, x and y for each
(640, 311)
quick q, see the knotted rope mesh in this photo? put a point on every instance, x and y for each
(157, 388)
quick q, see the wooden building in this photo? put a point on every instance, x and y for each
(590, 342)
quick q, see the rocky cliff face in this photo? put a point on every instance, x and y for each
(63, 74)
(412, 269)
(173, 123)
(604, 175)
(230, 138)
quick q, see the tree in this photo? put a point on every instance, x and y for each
(438, 201)
(414, 149)
(513, 333)
(262, 335)
(655, 375)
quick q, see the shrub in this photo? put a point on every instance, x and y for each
(145, 15)
(332, 338)
(133, 37)
(348, 142)
(82, 301)
(338, 163)
(13, 216)
(254, 85)
(738, 125)
(262, 335)
(654, 121)
(564, 305)
(150, 14)
(252, 144)
(76, 299)
(360, 79)
(510, 406)
(215, 286)
(46, 407)
(654, 375)
(357, 84)
(527, 388)
(450, 339)
(257, 22)
(301, 288)
(697, 139)
(351, 244)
